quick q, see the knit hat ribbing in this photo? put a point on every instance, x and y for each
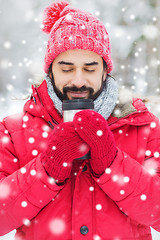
(71, 28)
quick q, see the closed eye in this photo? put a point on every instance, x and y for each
(89, 70)
(69, 70)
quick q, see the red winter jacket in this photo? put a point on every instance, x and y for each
(122, 204)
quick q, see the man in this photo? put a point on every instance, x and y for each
(45, 192)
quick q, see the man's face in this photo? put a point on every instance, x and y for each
(78, 74)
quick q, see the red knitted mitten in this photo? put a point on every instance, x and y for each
(64, 145)
(94, 130)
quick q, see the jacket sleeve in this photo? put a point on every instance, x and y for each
(135, 188)
(23, 191)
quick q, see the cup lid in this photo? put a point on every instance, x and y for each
(77, 104)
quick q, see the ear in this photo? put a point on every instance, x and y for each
(50, 75)
(50, 71)
(104, 74)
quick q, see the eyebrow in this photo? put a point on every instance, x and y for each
(91, 64)
(71, 64)
(65, 63)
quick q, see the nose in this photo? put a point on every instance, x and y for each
(78, 79)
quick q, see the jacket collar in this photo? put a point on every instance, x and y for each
(41, 105)
(127, 111)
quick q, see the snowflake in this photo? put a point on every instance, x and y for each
(65, 164)
(14, 77)
(91, 188)
(23, 41)
(132, 16)
(33, 172)
(7, 45)
(31, 140)
(51, 180)
(23, 170)
(83, 147)
(26, 222)
(97, 13)
(57, 226)
(79, 119)
(9, 87)
(126, 179)
(151, 165)
(45, 134)
(115, 178)
(99, 133)
(156, 154)
(15, 160)
(34, 152)
(148, 153)
(4, 190)
(96, 237)
(25, 118)
(98, 207)
(143, 197)
(108, 170)
(122, 192)
(153, 125)
(24, 204)
(5, 139)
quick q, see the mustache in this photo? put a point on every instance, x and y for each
(76, 89)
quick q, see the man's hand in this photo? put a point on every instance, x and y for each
(94, 130)
(64, 145)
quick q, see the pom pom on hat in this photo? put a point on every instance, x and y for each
(52, 14)
(71, 28)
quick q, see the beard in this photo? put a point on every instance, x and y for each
(63, 95)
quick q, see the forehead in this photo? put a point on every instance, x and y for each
(78, 56)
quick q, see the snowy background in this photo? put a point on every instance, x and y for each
(134, 29)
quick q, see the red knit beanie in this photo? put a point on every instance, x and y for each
(71, 28)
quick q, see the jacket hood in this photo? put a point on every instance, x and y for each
(41, 105)
(131, 111)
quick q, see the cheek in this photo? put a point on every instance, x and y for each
(96, 83)
(59, 81)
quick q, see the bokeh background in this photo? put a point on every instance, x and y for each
(134, 30)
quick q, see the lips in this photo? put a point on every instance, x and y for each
(77, 94)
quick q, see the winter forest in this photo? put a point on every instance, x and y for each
(134, 30)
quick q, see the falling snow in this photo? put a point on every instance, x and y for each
(91, 189)
(54, 148)
(34, 152)
(57, 226)
(24, 204)
(5, 190)
(108, 170)
(83, 147)
(31, 140)
(96, 237)
(137, 34)
(99, 133)
(65, 164)
(143, 197)
(23, 170)
(26, 222)
(45, 134)
(33, 172)
(98, 207)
